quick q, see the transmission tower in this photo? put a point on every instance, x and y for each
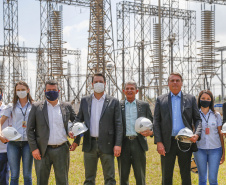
(100, 41)
(141, 60)
(101, 44)
(11, 70)
(50, 65)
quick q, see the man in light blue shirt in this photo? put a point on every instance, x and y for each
(134, 145)
(131, 116)
(176, 113)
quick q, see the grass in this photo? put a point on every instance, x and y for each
(153, 170)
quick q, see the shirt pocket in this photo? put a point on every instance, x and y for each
(213, 124)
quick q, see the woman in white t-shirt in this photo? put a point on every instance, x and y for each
(211, 151)
(19, 148)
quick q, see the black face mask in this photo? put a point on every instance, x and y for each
(204, 103)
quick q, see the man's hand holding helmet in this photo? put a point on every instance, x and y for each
(194, 138)
(77, 129)
(144, 126)
(147, 133)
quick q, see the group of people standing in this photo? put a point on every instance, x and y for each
(111, 133)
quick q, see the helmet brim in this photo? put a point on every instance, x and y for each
(16, 137)
(81, 132)
(183, 139)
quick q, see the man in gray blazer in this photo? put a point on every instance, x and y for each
(47, 131)
(173, 112)
(102, 116)
(134, 145)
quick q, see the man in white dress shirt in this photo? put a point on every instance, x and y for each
(102, 116)
(47, 135)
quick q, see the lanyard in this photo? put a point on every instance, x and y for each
(205, 118)
(24, 114)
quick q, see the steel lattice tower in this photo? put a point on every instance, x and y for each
(11, 70)
(43, 59)
(50, 65)
(143, 57)
(101, 44)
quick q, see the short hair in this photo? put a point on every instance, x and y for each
(130, 82)
(51, 82)
(99, 74)
(0, 90)
(177, 74)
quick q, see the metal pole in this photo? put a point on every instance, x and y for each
(139, 71)
(171, 43)
(123, 55)
(160, 49)
(123, 69)
(142, 66)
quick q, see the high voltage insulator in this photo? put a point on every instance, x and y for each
(208, 42)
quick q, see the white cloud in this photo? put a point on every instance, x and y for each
(82, 26)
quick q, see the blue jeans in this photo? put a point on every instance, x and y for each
(4, 169)
(208, 159)
(16, 150)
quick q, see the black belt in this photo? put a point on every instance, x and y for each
(94, 138)
(56, 146)
(131, 137)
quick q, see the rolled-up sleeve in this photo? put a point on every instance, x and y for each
(7, 111)
(219, 120)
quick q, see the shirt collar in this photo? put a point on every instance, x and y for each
(210, 111)
(58, 103)
(103, 97)
(134, 102)
(178, 95)
(19, 105)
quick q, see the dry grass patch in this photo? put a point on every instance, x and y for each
(153, 173)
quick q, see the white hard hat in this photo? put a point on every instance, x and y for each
(223, 128)
(11, 133)
(143, 124)
(69, 126)
(184, 134)
(79, 128)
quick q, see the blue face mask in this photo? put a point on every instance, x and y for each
(52, 95)
(0, 97)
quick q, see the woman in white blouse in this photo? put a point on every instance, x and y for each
(211, 151)
(18, 149)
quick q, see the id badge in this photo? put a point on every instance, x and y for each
(24, 124)
(207, 131)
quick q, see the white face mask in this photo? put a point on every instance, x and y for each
(21, 94)
(98, 87)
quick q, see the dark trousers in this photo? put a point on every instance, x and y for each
(4, 169)
(168, 162)
(91, 161)
(59, 158)
(132, 154)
